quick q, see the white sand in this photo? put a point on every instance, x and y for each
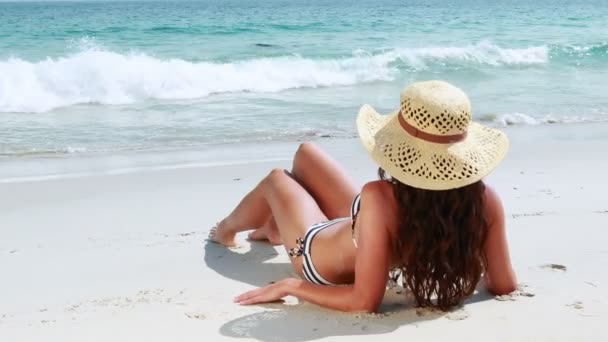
(123, 257)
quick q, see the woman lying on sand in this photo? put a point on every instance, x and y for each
(433, 219)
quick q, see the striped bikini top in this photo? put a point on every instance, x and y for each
(354, 210)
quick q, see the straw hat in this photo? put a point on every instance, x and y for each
(431, 142)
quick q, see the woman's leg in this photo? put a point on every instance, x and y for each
(292, 207)
(269, 231)
(325, 179)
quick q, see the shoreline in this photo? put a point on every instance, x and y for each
(50, 167)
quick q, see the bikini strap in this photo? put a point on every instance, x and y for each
(354, 211)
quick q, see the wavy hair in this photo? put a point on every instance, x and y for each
(440, 241)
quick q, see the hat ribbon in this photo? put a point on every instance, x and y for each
(433, 138)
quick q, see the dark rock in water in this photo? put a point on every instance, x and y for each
(263, 45)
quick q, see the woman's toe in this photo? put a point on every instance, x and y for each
(212, 234)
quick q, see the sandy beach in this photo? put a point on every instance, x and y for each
(102, 255)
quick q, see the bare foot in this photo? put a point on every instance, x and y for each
(265, 233)
(219, 235)
(257, 235)
(275, 239)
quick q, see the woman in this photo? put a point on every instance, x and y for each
(433, 219)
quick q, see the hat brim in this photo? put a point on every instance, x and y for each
(428, 165)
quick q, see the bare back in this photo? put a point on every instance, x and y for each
(376, 230)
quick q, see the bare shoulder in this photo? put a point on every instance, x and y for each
(378, 191)
(378, 198)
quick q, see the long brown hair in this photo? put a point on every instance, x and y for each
(440, 241)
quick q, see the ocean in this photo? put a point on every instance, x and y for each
(94, 77)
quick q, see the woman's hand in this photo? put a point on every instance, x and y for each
(266, 294)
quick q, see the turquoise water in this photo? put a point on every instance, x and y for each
(81, 77)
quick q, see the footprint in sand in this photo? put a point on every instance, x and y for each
(373, 315)
(195, 315)
(556, 267)
(457, 315)
(538, 213)
(425, 312)
(521, 291)
(578, 305)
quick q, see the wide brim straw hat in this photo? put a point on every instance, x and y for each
(431, 142)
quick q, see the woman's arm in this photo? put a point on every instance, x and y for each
(499, 276)
(371, 266)
(333, 297)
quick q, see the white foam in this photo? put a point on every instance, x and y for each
(521, 119)
(95, 75)
(510, 119)
(484, 53)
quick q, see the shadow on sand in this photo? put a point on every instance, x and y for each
(304, 321)
(250, 265)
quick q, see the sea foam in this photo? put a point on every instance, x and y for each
(95, 75)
